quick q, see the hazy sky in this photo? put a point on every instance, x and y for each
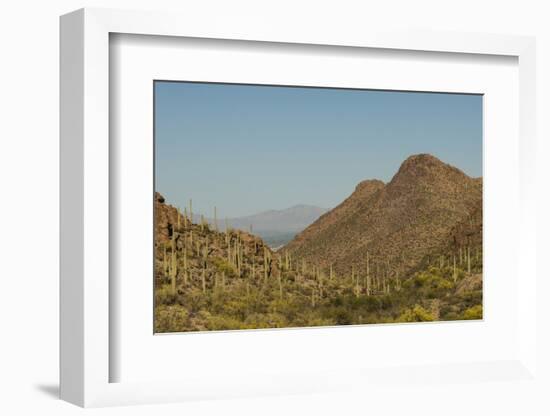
(246, 149)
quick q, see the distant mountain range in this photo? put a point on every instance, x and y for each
(276, 227)
(429, 208)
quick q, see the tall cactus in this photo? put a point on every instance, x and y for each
(469, 262)
(185, 277)
(287, 263)
(265, 264)
(369, 283)
(357, 289)
(454, 268)
(229, 252)
(238, 256)
(164, 260)
(173, 271)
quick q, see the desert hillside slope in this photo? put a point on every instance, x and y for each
(428, 209)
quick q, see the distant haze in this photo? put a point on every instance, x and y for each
(252, 149)
(276, 227)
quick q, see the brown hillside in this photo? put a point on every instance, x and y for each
(428, 208)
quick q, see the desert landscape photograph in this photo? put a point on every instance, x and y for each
(286, 207)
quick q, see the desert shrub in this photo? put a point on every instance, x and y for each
(475, 312)
(471, 298)
(338, 314)
(171, 318)
(194, 300)
(316, 321)
(224, 267)
(237, 308)
(337, 301)
(223, 322)
(415, 314)
(429, 284)
(164, 295)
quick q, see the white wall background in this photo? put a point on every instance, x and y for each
(29, 206)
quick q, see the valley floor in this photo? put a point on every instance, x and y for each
(226, 281)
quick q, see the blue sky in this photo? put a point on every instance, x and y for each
(246, 149)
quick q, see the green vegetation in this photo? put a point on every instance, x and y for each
(211, 280)
(475, 312)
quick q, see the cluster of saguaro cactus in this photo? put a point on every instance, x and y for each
(235, 251)
(288, 260)
(187, 260)
(464, 257)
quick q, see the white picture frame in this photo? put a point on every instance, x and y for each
(86, 356)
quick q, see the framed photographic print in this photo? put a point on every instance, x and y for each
(337, 211)
(268, 212)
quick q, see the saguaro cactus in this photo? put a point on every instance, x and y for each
(368, 275)
(164, 260)
(469, 262)
(368, 285)
(287, 261)
(185, 265)
(454, 268)
(267, 264)
(173, 271)
(355, 278)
